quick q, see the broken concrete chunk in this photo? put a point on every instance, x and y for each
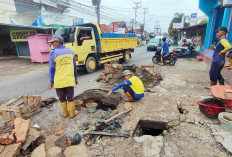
(77, 151)
(39, 151)
(33, 135)
(54, 152)
(11, 150)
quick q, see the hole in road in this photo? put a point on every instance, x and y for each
(150, 128)
(100, 97)
(180, 110)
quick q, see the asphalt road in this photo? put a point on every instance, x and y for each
(35, 83)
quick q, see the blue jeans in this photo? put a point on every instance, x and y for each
(215, 71)
(129, 89)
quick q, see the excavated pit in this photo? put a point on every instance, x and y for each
(100, 97)
(150, 128)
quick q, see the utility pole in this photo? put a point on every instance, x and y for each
(137, 6)
(96, 3)
(144, 13)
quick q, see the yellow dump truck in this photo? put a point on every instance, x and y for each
(93, 48)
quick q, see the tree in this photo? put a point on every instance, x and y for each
(176, 19)
(204, 21)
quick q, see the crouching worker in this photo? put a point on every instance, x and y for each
(63, 74)
(133, 87)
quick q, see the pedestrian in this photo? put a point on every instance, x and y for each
(165, 48)
(218, 60)
(63, 75)
(133, 87)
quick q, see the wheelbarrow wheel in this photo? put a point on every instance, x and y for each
(211, 112)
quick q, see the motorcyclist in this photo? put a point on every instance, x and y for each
(164, 48)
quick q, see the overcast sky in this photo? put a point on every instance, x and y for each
(159, 12)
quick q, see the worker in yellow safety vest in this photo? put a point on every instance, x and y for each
(133, 87)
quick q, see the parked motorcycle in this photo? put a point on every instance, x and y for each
(190, 51)
(168, 58)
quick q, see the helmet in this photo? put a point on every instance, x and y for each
(164, 39)
(127, 72)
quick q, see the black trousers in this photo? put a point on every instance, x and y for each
(65, 94)
(215, 71)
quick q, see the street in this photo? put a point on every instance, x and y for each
(174, 103)
(35, 82)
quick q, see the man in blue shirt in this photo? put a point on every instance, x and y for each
(133, 87)
(165, 48)
(63, 75)
(218, 60)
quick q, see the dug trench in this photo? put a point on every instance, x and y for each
(167, 122)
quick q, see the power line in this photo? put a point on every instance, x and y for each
(144, 12)
(137, 6)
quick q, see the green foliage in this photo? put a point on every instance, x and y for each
(176, 19)
(204, 21)
(186, 24)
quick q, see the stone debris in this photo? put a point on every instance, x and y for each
(33, 135)
(152, 145)
(113, 74)
(39, 151)
(77, 151)
(54, 152)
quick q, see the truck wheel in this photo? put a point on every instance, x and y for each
(90, 64)
(210, 111)
(126, 56)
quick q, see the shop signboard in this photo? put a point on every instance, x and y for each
(121, 31)
(226, 3)
(177, 25)
(193, 20)
(115, 26)
(21, 35)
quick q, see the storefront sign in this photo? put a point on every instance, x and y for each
(226, 3)
(193, 20)
(177, 25)
(21, 35)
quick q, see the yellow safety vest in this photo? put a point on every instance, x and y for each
(137, 85)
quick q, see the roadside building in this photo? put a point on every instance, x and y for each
(20, 18)
(105, 29)
(195, 32)
(219, 15)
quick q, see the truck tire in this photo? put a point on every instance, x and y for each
(126, 57)
(91, 64)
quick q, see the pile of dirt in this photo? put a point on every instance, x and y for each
(113, 74)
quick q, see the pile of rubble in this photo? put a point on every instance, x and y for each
(113, 74)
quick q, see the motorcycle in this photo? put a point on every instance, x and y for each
(190, 51)
(221, 100)
(169, 58)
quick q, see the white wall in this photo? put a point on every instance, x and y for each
(7, 8)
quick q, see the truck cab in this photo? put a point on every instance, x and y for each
(92, 47)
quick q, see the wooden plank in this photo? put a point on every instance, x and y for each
(4, 116)
(22, 132)
(11, 101)
(11, 150)
(31, 99)
(18, 114)
(32, 113)
(25, 100)
(12, 116)
(8, 108)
